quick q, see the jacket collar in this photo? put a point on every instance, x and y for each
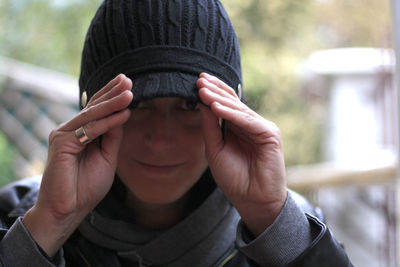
(211, 228)
(29, 199)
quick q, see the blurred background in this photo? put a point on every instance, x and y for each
(322, 70)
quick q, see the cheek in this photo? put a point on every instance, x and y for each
(190, 138)
(130, 141)
(194, 148)
(197, 163)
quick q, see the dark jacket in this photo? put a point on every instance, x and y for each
(17, 198)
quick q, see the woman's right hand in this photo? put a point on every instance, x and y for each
(78, 176)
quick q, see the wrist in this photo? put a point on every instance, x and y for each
(48, 232)
(259, 216)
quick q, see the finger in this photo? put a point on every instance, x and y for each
(255, 129)
(208, 97)
(241, 116)
(107, 87)
(110, 144)
(219, 83)
(254, 125)
(211, 131)
(99, 111)
(204, 83)
(124, 84)
(94, 129)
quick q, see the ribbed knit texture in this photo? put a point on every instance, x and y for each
(201, 239)
(121, 29)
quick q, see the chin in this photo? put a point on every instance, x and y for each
(158, 193)
(151, 188)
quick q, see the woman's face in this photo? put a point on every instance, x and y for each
(162, 154)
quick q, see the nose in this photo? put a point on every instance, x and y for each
(160, 132)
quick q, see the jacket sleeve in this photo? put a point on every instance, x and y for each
(296, 238)
(324, 250)
(17, 247)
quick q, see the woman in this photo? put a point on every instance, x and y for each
(165, 165)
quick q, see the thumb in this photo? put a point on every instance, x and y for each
(110, 144)
(212, 133)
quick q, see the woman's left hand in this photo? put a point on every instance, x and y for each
(248, 162)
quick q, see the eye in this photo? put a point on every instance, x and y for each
(133, 105)
(139, 105)
(190, 105)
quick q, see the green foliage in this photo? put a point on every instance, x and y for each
(6, 157)
(345, 23)
(47, 33)
(274, 37)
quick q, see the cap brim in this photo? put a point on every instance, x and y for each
(149, 85)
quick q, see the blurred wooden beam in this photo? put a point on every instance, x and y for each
(55, 86)
(314, 176)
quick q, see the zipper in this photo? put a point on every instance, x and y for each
(227, 259)
(223, 263)
(83, 257)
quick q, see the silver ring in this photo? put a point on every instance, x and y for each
(81, 135)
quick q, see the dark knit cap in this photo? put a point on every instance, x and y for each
(162, 45)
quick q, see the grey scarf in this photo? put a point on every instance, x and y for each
(201, 239)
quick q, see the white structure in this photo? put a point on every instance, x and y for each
(355, 85)
(360, 96)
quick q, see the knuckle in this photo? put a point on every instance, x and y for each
(244, 108)
(231, 91)
(248, 117)
(276, 135)
(95, 96)
(271, 135)
(94, 128)
(54, 136)
(89, 128)
(86, 113)
(90, 102)
(275, 129)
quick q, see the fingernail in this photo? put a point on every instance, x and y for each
(206, 90)
(207, 75)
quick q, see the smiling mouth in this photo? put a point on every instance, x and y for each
(161, 167)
